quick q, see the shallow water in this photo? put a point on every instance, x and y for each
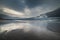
(36, 26)
(29, 23)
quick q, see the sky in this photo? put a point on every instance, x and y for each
(28, 8)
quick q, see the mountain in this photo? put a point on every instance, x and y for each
(55, 13)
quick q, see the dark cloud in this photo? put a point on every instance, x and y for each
(14, 4)
(19, 5)
(33, 3)
(45, 3)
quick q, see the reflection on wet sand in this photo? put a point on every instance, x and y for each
(36, 27)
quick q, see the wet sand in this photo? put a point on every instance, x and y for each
(21, 29)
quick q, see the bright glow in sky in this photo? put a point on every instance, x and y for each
(12, 12)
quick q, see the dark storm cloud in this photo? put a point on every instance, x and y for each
(33, 3)
(20, 5)
(14, 4)
(45, 3)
